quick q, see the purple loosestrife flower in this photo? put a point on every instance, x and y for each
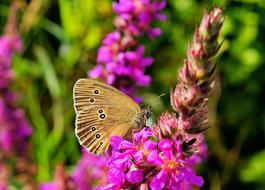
(14, 128)
(136, 16)
(156, 162)
(8, 45)
(61, 180)
(91, 170)
(122, 67)
(164, 155)
(121, 60)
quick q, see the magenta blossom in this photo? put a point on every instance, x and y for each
(61, 180)
(91, 170)
(128, 64)
(121, 61)
(176, 171)
(14, 128)
(8, 45)
(164, 155)
(136, 16)
(152, 162)
(122, 68)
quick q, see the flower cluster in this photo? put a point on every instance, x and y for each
(14, 128)
(136, 16)
(90, 171)
(151, 161)
(164, 155)
(121, 61)
(61, 180)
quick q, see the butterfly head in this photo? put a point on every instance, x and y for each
(145, 115)
(147, 112)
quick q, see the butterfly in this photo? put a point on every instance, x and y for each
(103, 111)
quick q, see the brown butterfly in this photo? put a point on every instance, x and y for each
(103, 111)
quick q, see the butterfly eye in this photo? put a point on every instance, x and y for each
(97, 135)
(100, 111)
(92, 100)
(93, 128)
(102, 116)
(96, 92)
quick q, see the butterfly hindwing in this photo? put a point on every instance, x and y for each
(96, 124)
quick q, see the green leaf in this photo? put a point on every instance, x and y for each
(254, 169)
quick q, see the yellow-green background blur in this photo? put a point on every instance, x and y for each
(61, 39)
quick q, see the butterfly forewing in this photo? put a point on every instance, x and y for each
(102, 111)
(90, 92)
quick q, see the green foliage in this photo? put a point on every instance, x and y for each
(254, 169)
(62, 46)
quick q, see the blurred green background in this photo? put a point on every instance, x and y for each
(61, 39)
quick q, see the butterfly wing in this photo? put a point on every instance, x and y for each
(102, 111)
(88, 92)
(96, 124)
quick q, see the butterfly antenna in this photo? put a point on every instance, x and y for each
(154, 101)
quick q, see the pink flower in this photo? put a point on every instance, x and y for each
(61, 180)
(14, 128)
(120, 67)
(8, 46)
(90, 170)
(121, 61)
(136, 16)
(164, 155)
(164, 162)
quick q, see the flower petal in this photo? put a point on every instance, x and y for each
(192, 178)
(115, 141)
(150, 145)
(110, 186)
(154, 158)
(138, 155)
(159, 181)
(116, 176)
(165, 145)
(135, 176)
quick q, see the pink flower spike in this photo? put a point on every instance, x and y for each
(120, 48)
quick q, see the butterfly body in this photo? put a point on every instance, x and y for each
(103, 111)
